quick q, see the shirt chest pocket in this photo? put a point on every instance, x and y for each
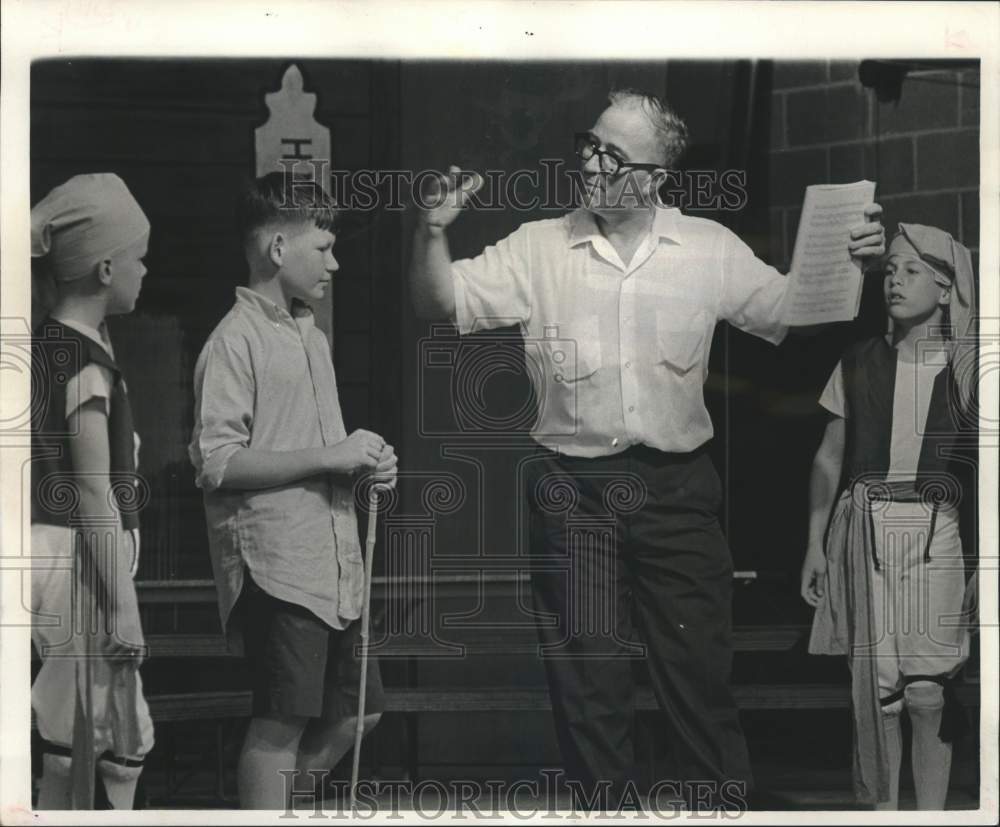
(680, 339)
(572, 352)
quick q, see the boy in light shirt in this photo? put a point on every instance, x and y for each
(276, 465)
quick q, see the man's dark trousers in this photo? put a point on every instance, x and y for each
(628, 556)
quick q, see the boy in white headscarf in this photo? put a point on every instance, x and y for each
(890, 586)
(88, 239)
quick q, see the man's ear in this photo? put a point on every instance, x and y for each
(104, 272)
(276, 248)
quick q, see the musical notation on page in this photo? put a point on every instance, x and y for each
(824, 282)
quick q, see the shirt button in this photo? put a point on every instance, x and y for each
(628, 364)
(614, 442)
(631, 408)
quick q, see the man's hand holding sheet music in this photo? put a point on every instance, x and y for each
(830, 249)
(868, 240)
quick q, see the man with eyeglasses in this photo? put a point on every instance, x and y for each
(639, 289)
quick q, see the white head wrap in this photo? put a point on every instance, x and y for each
(84, 221)
(952, 266)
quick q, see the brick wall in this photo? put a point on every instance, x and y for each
(923, 152)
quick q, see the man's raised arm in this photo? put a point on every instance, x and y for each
(430, 265)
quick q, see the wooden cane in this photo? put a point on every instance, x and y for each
(83, 763)
(359, 730)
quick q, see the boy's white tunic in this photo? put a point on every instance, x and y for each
(917, 602)
(122, 723)
(901, 617)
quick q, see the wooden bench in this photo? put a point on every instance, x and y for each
(414, 699)
(218, 707)
(209, 706)
(449, 700)
(511, 642)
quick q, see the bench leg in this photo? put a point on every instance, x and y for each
(220, 765)
(650, 744)
(411, 723)
(171, 762)
(412, 748)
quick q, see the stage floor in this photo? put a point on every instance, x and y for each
(785, 783)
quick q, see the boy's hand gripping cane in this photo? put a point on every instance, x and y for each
(359, 730)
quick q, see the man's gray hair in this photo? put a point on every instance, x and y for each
(671, 131)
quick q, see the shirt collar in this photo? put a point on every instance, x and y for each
(86, 330)
(583, 226)
(666, 223)
(303, 315)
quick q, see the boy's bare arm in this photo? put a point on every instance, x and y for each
(250, 468)
(823, 485)
(97, 513)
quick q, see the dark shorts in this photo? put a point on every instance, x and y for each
(300, 666)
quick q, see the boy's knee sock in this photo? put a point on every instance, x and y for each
(54, 790)
(119, 782)
(931, 755)
(894, 752)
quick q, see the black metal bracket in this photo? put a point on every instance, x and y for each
(886, 76)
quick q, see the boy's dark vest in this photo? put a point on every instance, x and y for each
(947, 452)
(58, 353)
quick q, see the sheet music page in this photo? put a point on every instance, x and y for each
(824, 283)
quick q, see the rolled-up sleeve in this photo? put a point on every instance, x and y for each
(752, 292)
(494, 288)
(224, 404)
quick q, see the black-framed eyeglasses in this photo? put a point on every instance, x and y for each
(587, 146)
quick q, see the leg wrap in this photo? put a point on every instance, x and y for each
(924, 696)
(954, 721)
(120, 777)
(931, 756)
(894, 750)
(54, 792)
